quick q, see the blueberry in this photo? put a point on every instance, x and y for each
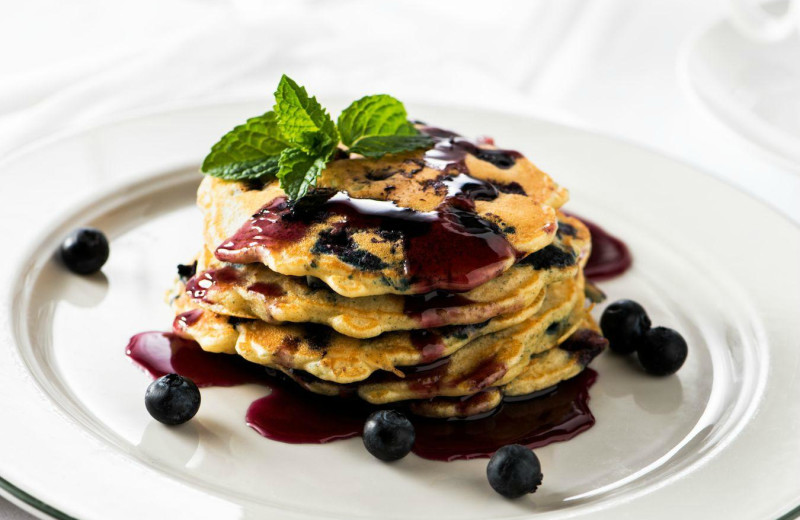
(85, 250)
(388, 435)
(662, 351)
(514, 471)
(172, 399)
(186, 271)
(624, 322)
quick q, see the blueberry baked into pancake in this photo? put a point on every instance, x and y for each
(387, 274)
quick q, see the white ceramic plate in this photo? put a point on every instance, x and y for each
(720, 436)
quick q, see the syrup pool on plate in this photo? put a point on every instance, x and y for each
(293, 415)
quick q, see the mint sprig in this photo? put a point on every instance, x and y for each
(299, 171)
(296, 140)
(373, 116)
(380, 145)
(302, 120)
(374, 126)
(248, 151)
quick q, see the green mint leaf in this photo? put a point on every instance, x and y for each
(248, 151)
(299, 171)
(370, 116)
(378, 146)
(295, 141)
(238, 171)
(302, 120)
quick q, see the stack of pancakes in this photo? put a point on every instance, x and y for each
(354, 291)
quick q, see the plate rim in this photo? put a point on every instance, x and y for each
(10, 489)
(29, 503)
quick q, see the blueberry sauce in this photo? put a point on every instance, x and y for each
(586, 343)
(424, 369)
(162, 353)
(198, 285)
(484, 375)
(433, 309)
(292, 415)
(186, 319)
(270, 290)
(435, 242)
(423, 380)
(558, 414)
(450, 150)
(535, 420)
(295, 416)
(429, 343)
(610, 256)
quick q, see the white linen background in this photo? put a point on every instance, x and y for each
(609, 65)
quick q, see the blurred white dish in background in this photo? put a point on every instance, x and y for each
(766, 23)
(750, 81)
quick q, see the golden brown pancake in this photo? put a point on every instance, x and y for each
(325, 237)
(459, 407)
(256, 292)
(492, 360)
(486, 361)
(545, 369)
(324, 353)
(329, 356)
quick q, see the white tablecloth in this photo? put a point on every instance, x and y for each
(610, 65)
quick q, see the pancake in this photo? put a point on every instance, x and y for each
(458, 407)
(545, 370)
(451, 218)
(492, 360)
(487, 361)
(567, 361)
(256, 292)
(327, 355)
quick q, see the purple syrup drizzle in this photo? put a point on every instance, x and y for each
(450, 150)
(269, 290)
(292, 415)
(429, 343)
(610, 256)
(161, 353)
(435, 308)
(198, 285)
(534, 421)
(435, 243)
(188, 318)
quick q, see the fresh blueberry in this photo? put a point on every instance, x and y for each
(662, 351)
(514, 470)
(388, 435)
(624, 322)
(172, 399)
(85, 250)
